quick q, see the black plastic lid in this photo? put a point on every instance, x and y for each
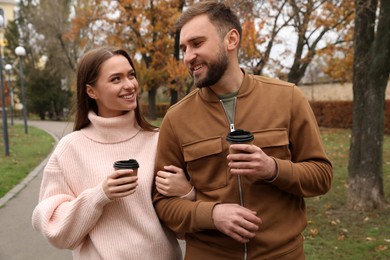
(126, 164)
(239, 136)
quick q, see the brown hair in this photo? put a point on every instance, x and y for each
(220, 15)
(87, 73)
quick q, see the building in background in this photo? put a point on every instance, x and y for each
(8, 7)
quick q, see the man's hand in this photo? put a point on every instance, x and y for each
(235, 221)
(251, 161)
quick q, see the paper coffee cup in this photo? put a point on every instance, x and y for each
(127, 164)
(239, 136)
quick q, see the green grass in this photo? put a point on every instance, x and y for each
(333, 231)
(26, 152)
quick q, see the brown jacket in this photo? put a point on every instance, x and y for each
(192, 136)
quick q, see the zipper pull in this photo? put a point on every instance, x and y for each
(231, 127)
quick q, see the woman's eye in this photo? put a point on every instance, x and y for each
(131, 75)
(115, 79)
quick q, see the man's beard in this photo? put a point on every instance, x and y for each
(215, 71)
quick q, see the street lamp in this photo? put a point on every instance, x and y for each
(3, 112)
(8, 68)
(21, 52)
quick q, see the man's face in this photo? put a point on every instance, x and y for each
(204, 52)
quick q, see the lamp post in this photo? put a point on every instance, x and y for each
(8, 68)
(3, 112)
(21, 52)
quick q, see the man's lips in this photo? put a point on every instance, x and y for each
(197, 69)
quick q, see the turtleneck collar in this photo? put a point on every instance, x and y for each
(111, 129)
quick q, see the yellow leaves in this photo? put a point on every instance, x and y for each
(313, 232)
(334, 222)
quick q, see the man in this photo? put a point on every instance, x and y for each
(261, 213)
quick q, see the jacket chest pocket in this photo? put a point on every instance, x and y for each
(274, 142)
(206, 164)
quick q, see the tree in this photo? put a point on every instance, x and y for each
(145, 28)
(313, 20)
(39, 30)
(52, 98)
(371, 73)
(296, 29)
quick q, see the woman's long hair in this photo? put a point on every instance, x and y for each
(87, 73)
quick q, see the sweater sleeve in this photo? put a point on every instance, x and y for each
(309, 173)
(63, 218)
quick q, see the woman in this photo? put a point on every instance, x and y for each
(84, 204)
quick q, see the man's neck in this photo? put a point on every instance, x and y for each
(229, 83)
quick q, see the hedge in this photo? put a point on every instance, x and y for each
(332, 114)
(338, 114)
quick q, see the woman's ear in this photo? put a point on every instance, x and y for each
(91, 92)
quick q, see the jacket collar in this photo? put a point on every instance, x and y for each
(245, 89)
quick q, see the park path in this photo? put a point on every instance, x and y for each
(18, 240)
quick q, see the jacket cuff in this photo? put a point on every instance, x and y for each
(283, 177)
(203, 215)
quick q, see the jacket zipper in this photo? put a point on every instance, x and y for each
(240, 190)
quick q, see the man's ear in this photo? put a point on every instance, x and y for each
(233, 39)
(91, 92)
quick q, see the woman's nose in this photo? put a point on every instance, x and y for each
(130, 83)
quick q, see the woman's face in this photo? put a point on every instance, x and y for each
(116, 87)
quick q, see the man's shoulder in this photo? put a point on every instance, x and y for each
(266, 81)
(185, 101)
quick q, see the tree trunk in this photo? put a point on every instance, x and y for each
(152, 103)
(371, 73)
(174, 96)
(176, 53)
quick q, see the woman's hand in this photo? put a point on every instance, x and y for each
(172, 182)
(120, 184)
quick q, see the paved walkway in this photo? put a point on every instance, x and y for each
(18, 240)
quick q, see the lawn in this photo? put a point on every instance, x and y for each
(26, 152)
(333, 231)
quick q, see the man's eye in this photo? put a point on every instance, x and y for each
(197, 44)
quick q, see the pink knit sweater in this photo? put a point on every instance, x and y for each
(73, 210)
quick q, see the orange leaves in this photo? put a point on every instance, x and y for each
(250, 39)
(381, 248)
(177, 73)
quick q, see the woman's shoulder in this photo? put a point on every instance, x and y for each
(69, 140)
(150, 134)
(75, 135)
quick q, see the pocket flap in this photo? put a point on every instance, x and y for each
(202, 148)
(271, 138)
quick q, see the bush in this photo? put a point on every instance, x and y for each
(338, 114)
